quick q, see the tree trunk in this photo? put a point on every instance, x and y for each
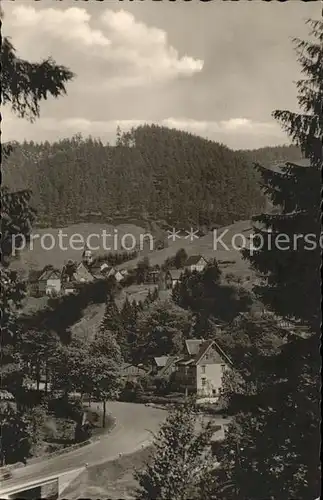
(37, 376)
(46, 378)
(104, 413)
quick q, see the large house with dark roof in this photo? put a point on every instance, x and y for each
(201, 369)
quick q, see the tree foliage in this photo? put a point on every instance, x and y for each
(24, 84)
(164, 175)
(272, 448)
(181, 455)
(205, 294)
(162, 329)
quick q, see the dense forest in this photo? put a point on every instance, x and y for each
(152, 173)
(270, 157)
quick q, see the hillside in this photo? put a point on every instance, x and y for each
(229, 258)
(152, 174)
(271, 156)
(35, 256)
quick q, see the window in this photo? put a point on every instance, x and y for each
(203, 382)
(203, 368)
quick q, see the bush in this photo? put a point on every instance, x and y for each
(163, 400)
(162, 386)
(62, 408)
(132, 391)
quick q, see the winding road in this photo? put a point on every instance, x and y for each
(135, 424)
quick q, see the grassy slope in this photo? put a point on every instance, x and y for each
(93, 314)
(113, 479)
(38, 257)
(230, 261)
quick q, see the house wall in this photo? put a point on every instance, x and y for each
(42, 286)
(185, 377)
(53, 284)
(199, 266)
(82, 274)
(168, 282)
(212, 375)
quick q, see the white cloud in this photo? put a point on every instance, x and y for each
(70, 25)
(146, 47)
(247, 133)
(129, 52)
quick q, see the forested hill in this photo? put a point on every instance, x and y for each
(271, 156)
(153, 173)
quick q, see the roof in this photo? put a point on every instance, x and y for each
(98, 276)
(185, 361)
(175, 274)
(193, 259)
(302, 162)
(171, 360)
(46, 275)
(104, 266)
(128, 366)
(206, 345)
(196, 349)
(161, 361)
(193, 346)
(83, 269)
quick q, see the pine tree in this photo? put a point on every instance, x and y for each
(273, 450)
(112, 321)
(180, 258)
(292, 284)
(181, 455)
(24, 86)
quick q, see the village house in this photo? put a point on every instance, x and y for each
(133, 372)
(118, 276)
(163, 366)
(73, 275)
(172, 277)
(49, 282)
(201, 369)
(107, 271)
(82, 274)
(195, 263)
(153, 275)
(105, 268)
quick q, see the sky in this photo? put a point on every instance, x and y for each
(215, 69)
